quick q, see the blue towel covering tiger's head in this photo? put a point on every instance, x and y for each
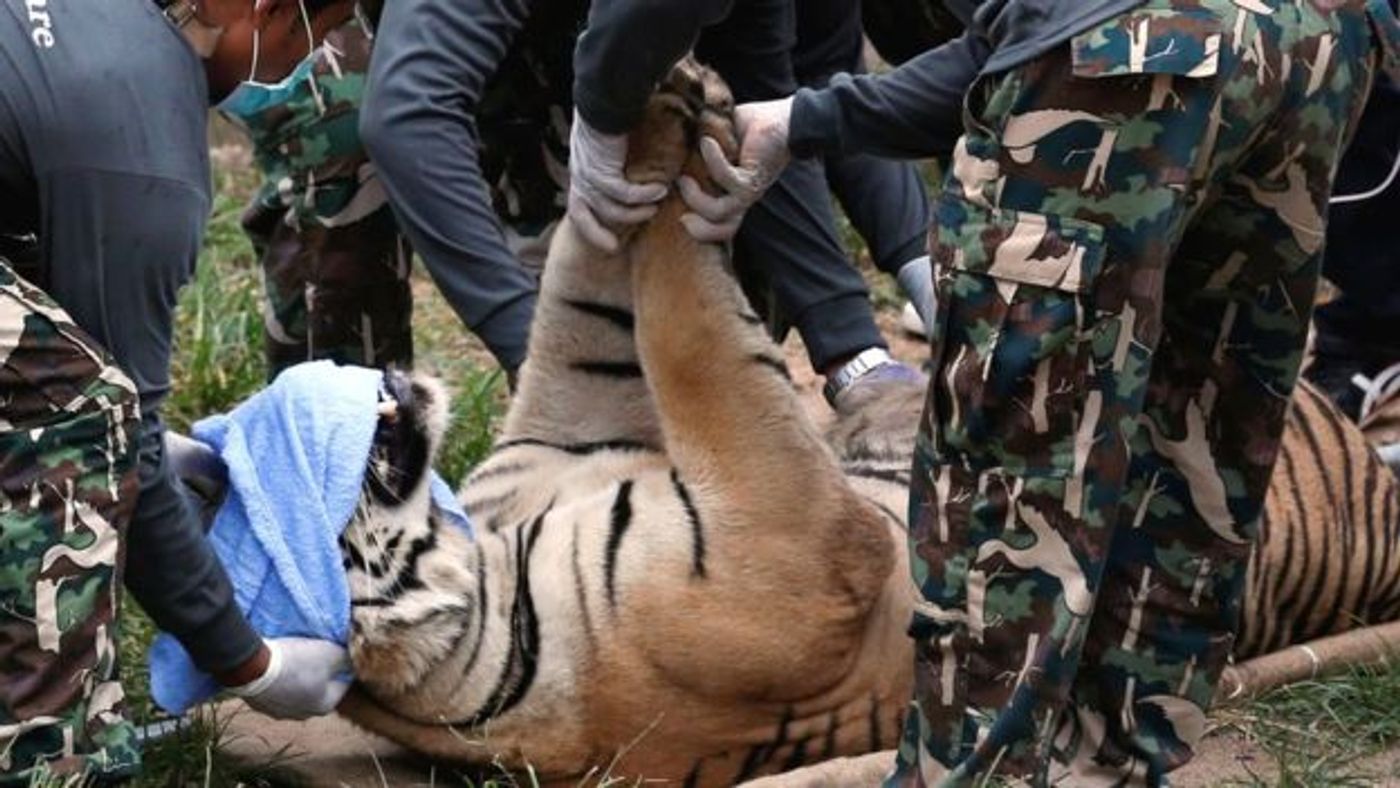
(297, 455)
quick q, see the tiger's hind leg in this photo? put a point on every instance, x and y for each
(581, 384)
(763, 492)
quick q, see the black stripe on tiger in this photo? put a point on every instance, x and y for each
(1387, 592)
(775, 364)
(697, 531)
(503, 469)
(829, 740)
(619, 521)
(874, 723)
(617, 370)
(407, 578)
(1388, 596)
(352, 556)
(1299, 632)
(1347, 531)
(751, 318)
(482, 606)
(761, 754)
(1291, 531)
(581, 593)
(523, 655)
(900, 478)
(483, 507)
(1368, 577)
(798, 756)
(577, 449)
(619, 317)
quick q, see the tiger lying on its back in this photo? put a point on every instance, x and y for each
(673, 569)
(668, 553)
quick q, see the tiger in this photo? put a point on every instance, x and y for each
(676, 576)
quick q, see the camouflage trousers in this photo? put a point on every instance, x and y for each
(1126, 251)
(68, 484)
(340, 293)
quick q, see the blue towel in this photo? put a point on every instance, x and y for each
(296, 454)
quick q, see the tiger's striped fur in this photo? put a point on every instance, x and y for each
(676, 576)
(1328, 554)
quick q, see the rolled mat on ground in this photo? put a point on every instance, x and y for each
(296, 454)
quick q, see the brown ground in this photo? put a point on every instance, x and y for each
(331, 752)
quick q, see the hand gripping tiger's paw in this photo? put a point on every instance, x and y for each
(692, 102)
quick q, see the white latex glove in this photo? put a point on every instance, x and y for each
(599, 192)
(304, 678)
(763, 153)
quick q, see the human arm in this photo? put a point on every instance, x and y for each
(628, 47)
(614, 75)
(430, 66)
(914, 111)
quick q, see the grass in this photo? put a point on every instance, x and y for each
(1318, 733)
(218, 357)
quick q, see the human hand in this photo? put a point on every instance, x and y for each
(763, 153)
(304, 678)
(599, 191)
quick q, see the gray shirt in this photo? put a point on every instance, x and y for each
(103, 158)
(432, 62)
(916, 110)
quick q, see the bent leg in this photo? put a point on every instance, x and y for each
(1052, 240)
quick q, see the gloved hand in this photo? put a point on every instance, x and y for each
(304, 678)
(763, 153)
(599, 191)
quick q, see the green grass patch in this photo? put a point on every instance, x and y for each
(1314, 733)
(218, 357)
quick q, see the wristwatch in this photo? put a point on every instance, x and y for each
(177, 11)
(853, 370)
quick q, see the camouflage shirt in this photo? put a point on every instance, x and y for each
(309, 147)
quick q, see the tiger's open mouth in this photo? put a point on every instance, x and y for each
(412, 417)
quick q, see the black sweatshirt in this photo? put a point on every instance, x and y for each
(432, 61)
(104, 159)
(630, 44)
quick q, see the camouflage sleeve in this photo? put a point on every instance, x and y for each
(914, 111)
(613, 76)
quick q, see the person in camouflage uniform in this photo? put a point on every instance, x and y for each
(68, 483)
(523, 119)
(335, 266)
(1126, 250)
